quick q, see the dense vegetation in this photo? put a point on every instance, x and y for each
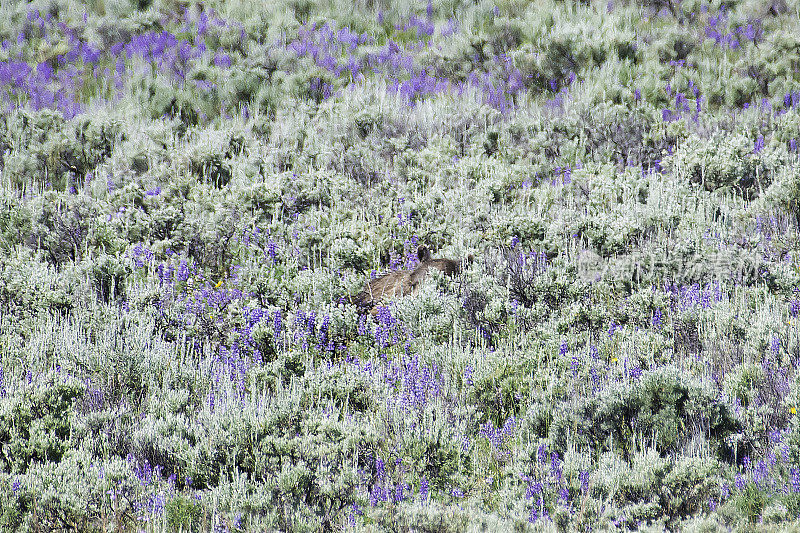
(191, 194)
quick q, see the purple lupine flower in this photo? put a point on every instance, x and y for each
(533, 489)
(584, 478)
(355, 510)
(760, 472)
(680, 102)
(795, 473)
(311, 322)
(44, 73)
(656, 321)
(277, 325)
(362, 325)
(156, 504)
(424, 489)
(468, 375)
(384, 327)
(775, 346)
(541, 454)
(380, 468)
(759, 144)
(595, 379)
(537, 509)
(378, 494)
(784, 451)
(182, 273)
(322, 334)
(509, 426)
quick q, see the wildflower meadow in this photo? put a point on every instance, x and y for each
(193, 194)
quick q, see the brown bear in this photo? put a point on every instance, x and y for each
(404, 282)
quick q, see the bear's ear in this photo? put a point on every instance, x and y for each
(423, 254)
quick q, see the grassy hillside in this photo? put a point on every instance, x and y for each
(192, 194)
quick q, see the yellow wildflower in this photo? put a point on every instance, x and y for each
(218, 285)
